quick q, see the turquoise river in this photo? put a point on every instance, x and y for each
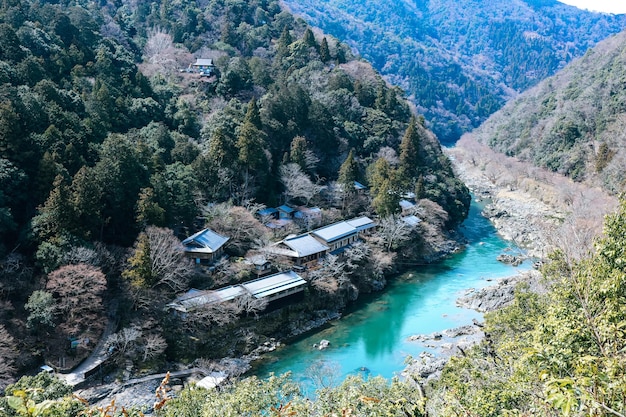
(372, 336)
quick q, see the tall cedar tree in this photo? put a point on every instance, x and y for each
(384, 187)
(253, 115)
(309, 39)
(348, 173)
(409, 152)
(324, 51)
(297, 153)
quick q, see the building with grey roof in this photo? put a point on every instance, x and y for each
(270, 288)
(203, 66)
(194, 299)
(412, 220)
(303, 249)
(363, 224)
(275, 286)
(205, 246)
(336, 235)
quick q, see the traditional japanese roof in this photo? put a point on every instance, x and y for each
(359, 186)
(361, 223)
(205, 241)
(194, 299)
(265, 287)
(212, 380)
(267, 211)
(405, 204)
(286, 209)
(412, 220)
(334, 232)
(203, 62)
(308, 212)
(304, 245)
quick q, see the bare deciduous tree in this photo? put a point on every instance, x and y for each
(169, 264)
(78, 290)
(330, 276)
(124, 343)
(237, 223)
(8, 354)
(161, 53)
(297, 183)
(389, 154)
(153, 345)
(220, 314)
(159, 260)
(392, 231)
(249, 304)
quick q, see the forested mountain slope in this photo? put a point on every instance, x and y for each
(102, 136)
(573, 123)
(461, 60)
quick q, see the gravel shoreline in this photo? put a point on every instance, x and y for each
(518, 216)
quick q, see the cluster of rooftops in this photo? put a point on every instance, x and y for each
(304, 251)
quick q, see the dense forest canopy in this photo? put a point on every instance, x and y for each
(84, 131)
(571, 123)
(109, 139)
(461, 60)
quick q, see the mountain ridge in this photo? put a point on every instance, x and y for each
(460, 62)
(571, 123)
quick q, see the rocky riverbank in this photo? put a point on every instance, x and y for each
(517, 215)
(439, 347)
(501, 294)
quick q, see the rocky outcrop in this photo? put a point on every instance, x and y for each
(510, 259)
(441, 347)
(522, 219)
(501, 294)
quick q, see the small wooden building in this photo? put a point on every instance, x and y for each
(304, 249)
(336, 235)
(205, 247)
(203, 66)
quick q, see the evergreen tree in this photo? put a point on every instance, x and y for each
(55, 216)
(297, 154)
(324, 51)
(348, 173)
(409, 152)
(251, 148)
(148, 210)
(139, 272)
(309, 39)
(384, 187)
(221, 151)
(387, 199)
(86, 198)
(283, 43)
(253, 115)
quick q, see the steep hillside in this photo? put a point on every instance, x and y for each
(107, 132)
(461, 60)
(572, 123)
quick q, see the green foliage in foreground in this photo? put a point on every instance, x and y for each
(279, 396)
(562, 353)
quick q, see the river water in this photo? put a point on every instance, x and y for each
(372, 337)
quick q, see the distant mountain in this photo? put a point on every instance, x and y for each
(573, 123)
(460, 60)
